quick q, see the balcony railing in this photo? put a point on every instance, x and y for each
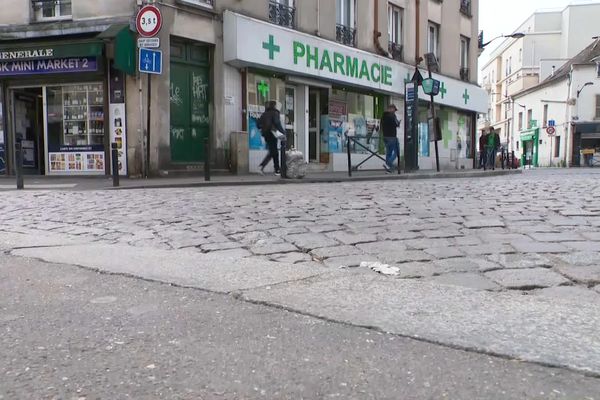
(465, 7)
(282, 14)
(464, 74)
(396, 51)
(345, 35)
(51, 9)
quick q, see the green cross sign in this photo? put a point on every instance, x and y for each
(443, 90)
(263, 88)
(466, 96)
(271, 47)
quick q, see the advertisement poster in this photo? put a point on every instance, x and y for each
(255, 136)
(77, 162)
(336, 135)
(337, 109)
(373, 138)
(423, 139)
(117, 118)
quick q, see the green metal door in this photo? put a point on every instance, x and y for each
(190, 122)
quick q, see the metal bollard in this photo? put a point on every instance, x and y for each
(206, 159)
(114, 154)
(349, 156)
(19, 163)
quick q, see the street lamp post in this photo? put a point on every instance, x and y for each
(516, 35)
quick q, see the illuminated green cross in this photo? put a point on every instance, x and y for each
(263, 88)
(271, 47)
(443, 90)
(466, 96)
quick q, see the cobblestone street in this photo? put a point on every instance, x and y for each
(537, 232)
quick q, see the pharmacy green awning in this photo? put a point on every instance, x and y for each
(530, 134)
(125, 47)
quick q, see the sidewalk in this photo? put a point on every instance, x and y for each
(104, 182)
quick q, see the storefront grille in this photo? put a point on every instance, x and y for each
(282, 14)
(345, 35)
(396, 51)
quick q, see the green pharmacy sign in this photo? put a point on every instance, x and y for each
(338, 63)
(431, 86)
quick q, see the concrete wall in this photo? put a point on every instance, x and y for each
(85, 9)
(15, 12)
(582, 22)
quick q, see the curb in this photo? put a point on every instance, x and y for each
(433, 175)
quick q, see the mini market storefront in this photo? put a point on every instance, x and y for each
(54, 99)
(325, 90)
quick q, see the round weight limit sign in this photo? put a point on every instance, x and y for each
(148, 21)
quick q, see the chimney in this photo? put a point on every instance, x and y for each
(553, 70)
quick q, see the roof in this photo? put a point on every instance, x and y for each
(586, 57)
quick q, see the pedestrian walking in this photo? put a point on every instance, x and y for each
(493, 143)
(482, 150)
(270, 126)
(389, 126)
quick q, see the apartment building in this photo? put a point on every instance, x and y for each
(552, 38)
(70, 85)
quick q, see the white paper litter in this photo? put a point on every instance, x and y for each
(384, 269)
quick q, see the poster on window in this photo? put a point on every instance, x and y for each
(255, 136)
(89, 162)
(423, 139)
(116, 113)
(373, 134)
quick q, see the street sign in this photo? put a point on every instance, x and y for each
(551, 122)
(150, 61)
(148, 21)
(550, 130)
(148, 43)
(431, 86)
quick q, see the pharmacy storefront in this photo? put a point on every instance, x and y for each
(325, 90)
(54, 101)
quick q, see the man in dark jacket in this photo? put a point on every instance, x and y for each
(482, 150)
(268, 122)
(389, 126)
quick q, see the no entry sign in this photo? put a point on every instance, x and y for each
(148, 21)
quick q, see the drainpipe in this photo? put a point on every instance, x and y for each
(376, 33)
(417, 36)
(318, 32)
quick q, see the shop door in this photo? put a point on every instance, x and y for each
(189, 99)
(189, 112)
(29, 126)
(290, 116)
(314, 122)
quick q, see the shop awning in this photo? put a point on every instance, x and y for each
(125, 47)
(591, 135)
(530, 134)
(41, 50)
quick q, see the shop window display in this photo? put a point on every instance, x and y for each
(260, 90)
(76, 128)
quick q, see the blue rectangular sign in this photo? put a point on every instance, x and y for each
(150, 61)
(49, 66)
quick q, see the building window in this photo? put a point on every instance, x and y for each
(508, 66)
(529, 118)
(51, 9)
(345, 18)
(465, 7)
(201, 3)
(464, 58)
(395, 28)
(597, 106)
(557, 146)
(282, 12)
(433, 40)
(545, 116)
(520, 55)
(520, 121)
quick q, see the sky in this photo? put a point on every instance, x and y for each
(503, 17)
